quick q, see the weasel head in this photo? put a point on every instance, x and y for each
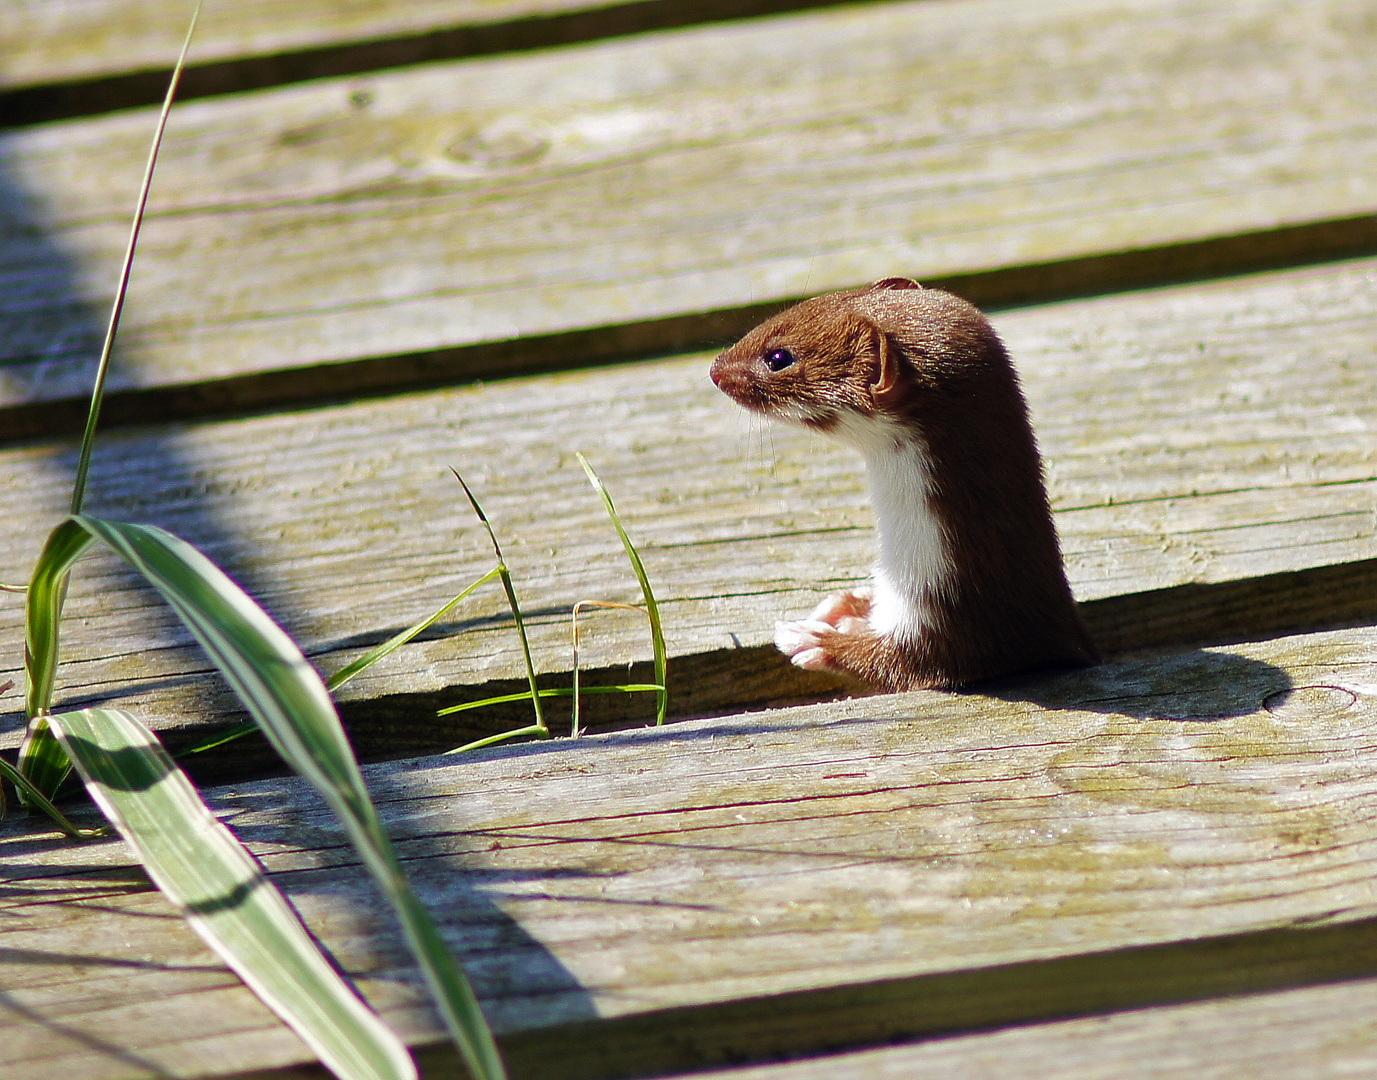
(855, 363)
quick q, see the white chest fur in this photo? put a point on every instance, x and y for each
(915, 561)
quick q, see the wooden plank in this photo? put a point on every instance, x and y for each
(1317, 1033)
(56, 43)
(63, 61)
(355, 234)
(787, 882)
(1213, 447)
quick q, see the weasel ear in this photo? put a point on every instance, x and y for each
(885, 389)
(894, 283)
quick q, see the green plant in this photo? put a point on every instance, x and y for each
(652, 612)
(192, 858)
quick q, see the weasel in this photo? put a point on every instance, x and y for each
(969, 582)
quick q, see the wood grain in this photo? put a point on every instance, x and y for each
(56, 43)
(1212, 457)
(786, 882)
(409, 214)
(64, 61)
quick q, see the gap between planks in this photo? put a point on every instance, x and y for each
(1312, 1033)
(831, 1020)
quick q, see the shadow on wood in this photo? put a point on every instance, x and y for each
(1320, 598)
(837, 1018)
(1196, 686)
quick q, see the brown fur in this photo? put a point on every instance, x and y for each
(922, 368)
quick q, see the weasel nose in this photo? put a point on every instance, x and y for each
(715, 372)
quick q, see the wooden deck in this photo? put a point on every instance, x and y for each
(499, 233)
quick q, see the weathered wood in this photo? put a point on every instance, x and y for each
(45, 42)
(1314, 1033)
(1214, 447)
(783, 882)
(63, 61)
(313, 230)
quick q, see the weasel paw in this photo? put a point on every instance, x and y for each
(802, 643)
(843, 610)
(809, 643)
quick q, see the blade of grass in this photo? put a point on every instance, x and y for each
(238, 731)
(559, 691)
(368, 659)
(65, 544)
(41, 758)
(222, 891)
(88, 438)
(344, 674)
(478, 744)
(576, 713)
(262, 664)
(657, 636)
(500, 699)
(36, 799)
(489, 740)
(288, 699)
(540, 723)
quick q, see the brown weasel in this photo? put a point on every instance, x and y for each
(969, 582)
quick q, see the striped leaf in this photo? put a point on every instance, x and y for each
(287, 698)
(41, 760)
(222, 891)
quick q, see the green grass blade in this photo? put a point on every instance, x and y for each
(228, 735)
(368, 659)
(657, 635)
(344, 674)
(558, 691)
(39, 801)
(511, 602)
(288, 699)
(503, 736)
(500, 699)
(221, 890)
(41, 758)
(576, 711)
(263, 665)
(47, 586)
(620, 688)
(88, 438)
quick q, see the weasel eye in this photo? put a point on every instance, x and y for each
(778, 359)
